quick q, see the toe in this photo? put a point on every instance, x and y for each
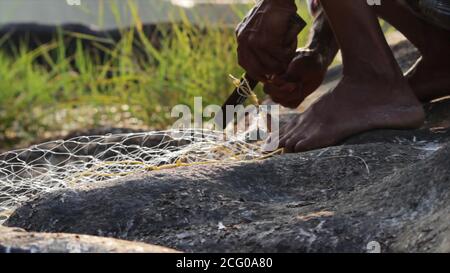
(312, 142)
(301, 146)
(271, 143)
(286, 136)
(288, 131)
(291, 143)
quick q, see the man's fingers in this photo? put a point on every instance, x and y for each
(280, 52)
(271, 64)
(251, 64)
(259, 63)
(288, 94)
(294, 103)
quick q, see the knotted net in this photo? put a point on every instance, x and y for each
(65, 164)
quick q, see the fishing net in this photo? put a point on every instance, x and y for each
(66, 163)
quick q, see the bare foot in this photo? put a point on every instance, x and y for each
(351, 108)
(430, 78)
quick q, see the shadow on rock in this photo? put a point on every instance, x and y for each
(391, 187)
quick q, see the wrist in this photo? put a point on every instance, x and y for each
(325, 54)
(322, 41)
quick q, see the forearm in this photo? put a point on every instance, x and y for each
(322, 39)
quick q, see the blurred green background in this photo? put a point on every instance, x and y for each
(74, 92)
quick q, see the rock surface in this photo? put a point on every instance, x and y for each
(392, 187)
(384, 188)
(15, 240)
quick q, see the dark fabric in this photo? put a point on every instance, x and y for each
(434, 11)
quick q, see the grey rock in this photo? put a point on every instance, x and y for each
(15, 240)
(385, 188)
(392, 187)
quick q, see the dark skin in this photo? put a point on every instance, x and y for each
(267, 39)
(430, 76)
(373, 93)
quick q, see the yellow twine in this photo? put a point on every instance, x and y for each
(177, 164)
(244, 88)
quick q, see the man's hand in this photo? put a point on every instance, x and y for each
(267, 38)
(303, 76)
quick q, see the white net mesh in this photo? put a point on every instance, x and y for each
(63, 164)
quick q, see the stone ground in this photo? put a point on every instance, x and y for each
(388, 186)
(15, 240)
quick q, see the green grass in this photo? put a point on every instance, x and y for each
(38, 102)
